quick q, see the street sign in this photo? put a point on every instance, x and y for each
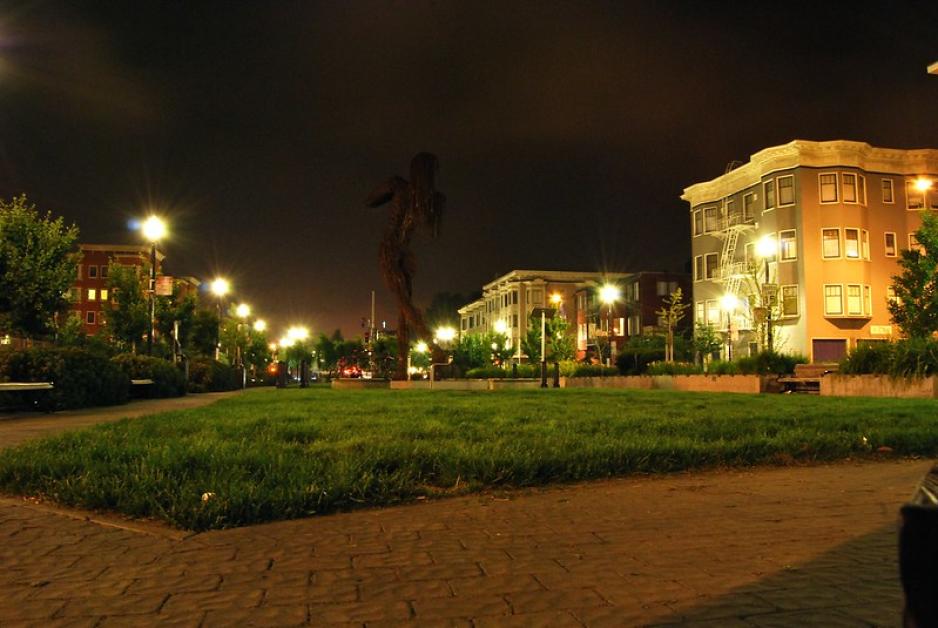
(769, 293)
(164, 286)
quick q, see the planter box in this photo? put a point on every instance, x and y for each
(446, 384)
(836, 385)
(516, 384)
(360, 384)
(751, 384)
(642, 382)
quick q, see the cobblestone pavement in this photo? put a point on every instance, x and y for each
(22, 426)
(801, 546)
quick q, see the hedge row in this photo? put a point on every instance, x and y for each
(914, 357)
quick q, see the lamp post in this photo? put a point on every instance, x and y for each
(608, 295)
(220, 288)
(243, 311)
(444, 336)
(729, 303)
(154, 230)
(766, 248)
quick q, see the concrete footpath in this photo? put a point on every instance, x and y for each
(803, 546)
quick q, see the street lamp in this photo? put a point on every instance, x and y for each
(729, 303)
(154, 230)
(923, 185)
(609, 294)
(445, 334)
(219, 288)
(260, 325)
(767, 248)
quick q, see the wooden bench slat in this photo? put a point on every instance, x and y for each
(21, 386)
(141, 382)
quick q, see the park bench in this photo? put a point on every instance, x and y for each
(141, 382)
(918, 554)
(40, 401)
(807, 378)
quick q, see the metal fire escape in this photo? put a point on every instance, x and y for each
(732, 273)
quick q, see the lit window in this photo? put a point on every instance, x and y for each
(769, 194)
(849, 181)
(699, 314)
(854, 301)
(889, 194)
(828, 187)
(890, 244)
(789, 300)
(730, 210)
(92, 294)
(749, 204)
(852, 243)
(915, 199)
(891, 296)
(786, 190)
(711, 265)
(830, 243)
(713, 312)
(89, 317)
(104, 294)
(789, 246)
(711, 222)
(698, 222)
(833, 300)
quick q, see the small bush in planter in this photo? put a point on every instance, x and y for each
(674, 368)
(208, 375)
(168, 380)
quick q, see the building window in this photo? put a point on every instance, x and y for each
(104, 294)
(749, 204)
(867, 301)
(104, 272)
(89, 317)
(698, 222)
(852, 243)
(786, 190)
(889, 193)
(662, 288)
(769, 190)
(711, 222)
(699, 313)
(865, 243)
(698, 268)
(92, 294)
(749, 253)
(713, 312)
(833, 300)
(914, 244)
(514, 321)
(891, 296)
(92, 272)
(672, 287)
(830, 243)
(514, 297)
(729, 208)
(827, 182)
(849, 183)
(861, 189)
(635, 325)
(789, 246)
(915, 199)
(854, 300)
(790, 300)
(620, 327)
(74, 295)
(890, 238)
(78, 271)
(711, 265)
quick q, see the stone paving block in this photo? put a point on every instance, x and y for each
(160, 619)
(312, 594)
(29, 610)
(547, 619)
(116, 605)
(405, 590)
(359, 612)
(494, 585)
(533, 601)
(293, 615)
(466, 608)
(212, 600)
(391, 559)
(828, 618)
(439, 572)
(416, 623)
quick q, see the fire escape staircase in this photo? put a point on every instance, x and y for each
(732, 273)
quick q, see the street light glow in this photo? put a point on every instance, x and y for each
(609, 294)
(298, 332)
(243, 310)
(260, 325)
(923, 184)
(220, 287)
(766, 247)
(501, 326)
(556, 298)
(729, 302)
(445, 333)
(421, 347)
(153, 229)
(287, 341)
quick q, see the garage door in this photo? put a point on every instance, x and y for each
(829, 350)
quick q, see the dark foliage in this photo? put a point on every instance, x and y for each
(168, 380)
(208, 375)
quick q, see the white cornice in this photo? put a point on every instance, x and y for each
(813, 154)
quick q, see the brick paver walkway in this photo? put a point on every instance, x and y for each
(808, 546)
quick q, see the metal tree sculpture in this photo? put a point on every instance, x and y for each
(413, 204)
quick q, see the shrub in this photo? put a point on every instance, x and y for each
(594, 370)
(769, 363)
(868, 358)
(168, 381)
(722, 367)
(915, 357)
(80, 378)
(208, 375)
(674, 368)
(496, 372)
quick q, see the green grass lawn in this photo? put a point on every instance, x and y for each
(275, 454)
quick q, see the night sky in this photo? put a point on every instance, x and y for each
(565, 131)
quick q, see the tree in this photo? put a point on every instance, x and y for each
(176, 308)
(129, 316)
(204, 333)
(670, 314)
(562, 342)
(559, 343)
(37, 267)
(498, 343)
(531, 341)
(706, 341)
(915, 309)
(472, 351)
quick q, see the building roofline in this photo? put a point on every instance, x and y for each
(813, 154)
(143, 249)
(549, 275)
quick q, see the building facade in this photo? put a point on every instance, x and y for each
(508, 301)
(89, 295)
(803, 240)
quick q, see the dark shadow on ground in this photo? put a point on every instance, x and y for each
(856, 584)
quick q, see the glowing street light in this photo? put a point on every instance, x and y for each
(260, 325)
(298, 333)
(609, 294)
(923, 185)
(556, 298)
(220, 287)
(154, 230)
(421, 347)
(445, 334)
(501, 326)
(243, 310)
